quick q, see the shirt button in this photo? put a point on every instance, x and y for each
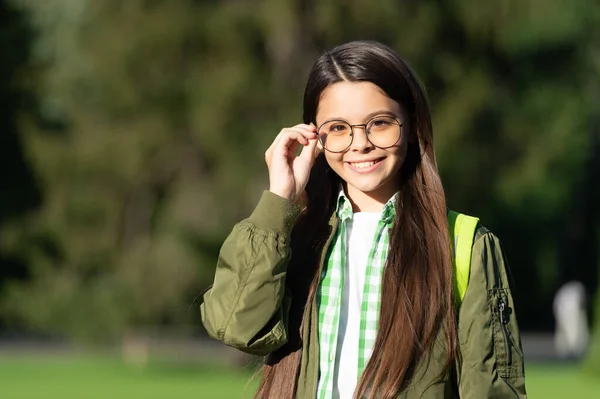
(331, 356)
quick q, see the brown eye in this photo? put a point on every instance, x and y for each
(338, 128)
(382, 123)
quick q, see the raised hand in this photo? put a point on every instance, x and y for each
(288, 173)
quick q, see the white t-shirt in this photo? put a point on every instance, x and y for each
(360, 232)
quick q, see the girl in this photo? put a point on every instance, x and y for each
(342, 277)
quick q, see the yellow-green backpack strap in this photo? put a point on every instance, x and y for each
(462, 232)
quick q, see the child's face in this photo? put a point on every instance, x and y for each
(356, 103)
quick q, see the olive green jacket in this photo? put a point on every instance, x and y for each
(246, 308)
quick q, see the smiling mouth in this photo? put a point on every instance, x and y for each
(365, 165)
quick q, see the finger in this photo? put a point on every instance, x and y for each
(293, 136)
(305, 130)
(310, 127)
(299, 134)
(307, 133)
(277, 139)
(269, 152)
(287, 145)
(269, 155)
(305, 140)
(319, 147)
(292, 150)
(296, 133)
(310, 151)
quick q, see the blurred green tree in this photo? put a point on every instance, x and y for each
(20, 192)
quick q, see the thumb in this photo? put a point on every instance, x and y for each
(309, 152)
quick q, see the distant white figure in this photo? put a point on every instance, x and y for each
(571, 337)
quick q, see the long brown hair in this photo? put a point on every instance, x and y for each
(417, 301)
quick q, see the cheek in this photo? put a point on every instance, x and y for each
(401, 151)
(333, 159)
(399, 155)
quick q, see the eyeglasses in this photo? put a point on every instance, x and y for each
(381, 131)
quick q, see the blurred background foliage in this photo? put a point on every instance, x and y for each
(133, 136)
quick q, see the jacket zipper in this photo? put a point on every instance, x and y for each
(504, 320)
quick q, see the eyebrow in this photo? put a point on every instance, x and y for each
(366, 118)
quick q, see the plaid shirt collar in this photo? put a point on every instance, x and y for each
(344, 208)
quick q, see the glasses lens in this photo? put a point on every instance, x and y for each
(335, 136)
(384, 131)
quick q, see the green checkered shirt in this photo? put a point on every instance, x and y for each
(329, 294)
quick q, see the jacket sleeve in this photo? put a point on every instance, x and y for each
(247, 306)
(490, 353)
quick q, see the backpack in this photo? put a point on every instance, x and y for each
(462, 232)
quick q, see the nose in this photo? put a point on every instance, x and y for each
(360, 142)
(359, 139)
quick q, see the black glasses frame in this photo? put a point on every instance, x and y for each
(367, 132)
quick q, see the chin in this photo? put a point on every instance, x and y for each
(368, 187)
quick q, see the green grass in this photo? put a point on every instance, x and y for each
(99, 377)
(104, 377)
(556, 381)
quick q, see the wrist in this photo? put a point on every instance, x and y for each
(287, 194)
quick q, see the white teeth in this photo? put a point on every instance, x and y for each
(361, 165)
